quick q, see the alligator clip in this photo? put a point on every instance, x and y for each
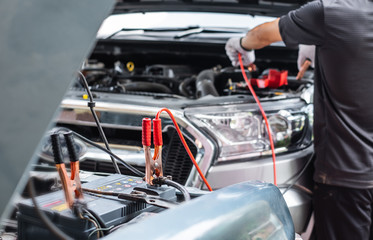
(71, 186)
(153, 165)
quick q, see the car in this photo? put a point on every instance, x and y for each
(151, 55)
(155, 54)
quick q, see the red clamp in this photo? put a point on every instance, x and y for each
(153, 165)
(274, 79)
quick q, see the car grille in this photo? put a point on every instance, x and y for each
(176, 161)
(175, 158)
(107, 167)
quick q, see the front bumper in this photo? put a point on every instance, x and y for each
(288, 166)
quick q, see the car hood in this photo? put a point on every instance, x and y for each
(270, 8)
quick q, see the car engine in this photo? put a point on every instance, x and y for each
(181, 81)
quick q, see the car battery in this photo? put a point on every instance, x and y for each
(110, 209)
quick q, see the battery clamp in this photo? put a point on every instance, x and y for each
(274, 79)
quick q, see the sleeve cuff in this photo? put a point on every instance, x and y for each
(282, 23)
(248, 50)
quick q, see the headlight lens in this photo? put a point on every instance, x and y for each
(240, 130)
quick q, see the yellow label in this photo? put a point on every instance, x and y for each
(61, 207)
(102, 188)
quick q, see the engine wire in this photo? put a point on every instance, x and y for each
(96, 217)
(91, 105)
(95, 224)
(264, 117)
(129, 167)
(185, 145)
(99, 230)
(86, 140)
(179, 187)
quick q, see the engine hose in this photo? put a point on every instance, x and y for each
(205, 83)
(146, 87)
(184, 84)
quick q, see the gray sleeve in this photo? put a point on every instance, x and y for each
(304, 25)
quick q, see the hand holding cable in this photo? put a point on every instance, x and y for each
(233, 47)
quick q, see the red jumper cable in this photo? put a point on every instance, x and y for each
(264, 117)
(185, 145)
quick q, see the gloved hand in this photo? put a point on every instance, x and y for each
(306, 58)
(306, 52)
(233, 47)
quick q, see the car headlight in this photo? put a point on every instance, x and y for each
(240, 129)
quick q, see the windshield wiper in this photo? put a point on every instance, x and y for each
(186, 31)
(151, 30)
(199, 30)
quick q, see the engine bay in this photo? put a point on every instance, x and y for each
(175, 73)
(179, 81)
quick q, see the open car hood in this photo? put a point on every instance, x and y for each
(255, 7)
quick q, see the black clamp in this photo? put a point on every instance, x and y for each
(91, 104)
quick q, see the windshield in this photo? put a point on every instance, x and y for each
(178, 20)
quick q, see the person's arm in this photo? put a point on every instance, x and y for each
(262, 35)
(256, 38)
(301, 26)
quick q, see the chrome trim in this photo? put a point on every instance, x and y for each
(205, 147)
(287, 166)
(135, 158)
(204, 159)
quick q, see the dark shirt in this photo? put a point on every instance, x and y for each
(342, 31)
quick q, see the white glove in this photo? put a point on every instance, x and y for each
(306, 52)
(233, 47)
